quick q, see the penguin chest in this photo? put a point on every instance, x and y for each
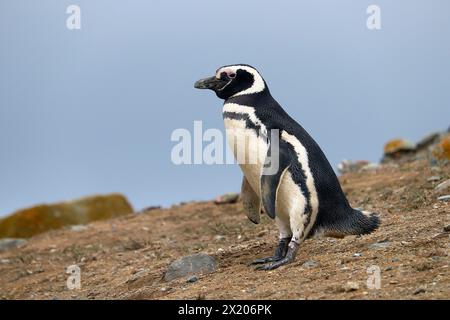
(248, 146)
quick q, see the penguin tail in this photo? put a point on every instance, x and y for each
(363, 222)
(353, 222)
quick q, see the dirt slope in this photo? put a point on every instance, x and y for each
(125, 258)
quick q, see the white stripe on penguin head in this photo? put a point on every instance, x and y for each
(258, 82)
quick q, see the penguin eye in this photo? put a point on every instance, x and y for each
(232, 75)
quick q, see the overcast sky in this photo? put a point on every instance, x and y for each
(92, 111)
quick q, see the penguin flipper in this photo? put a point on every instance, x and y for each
(271, 177)
(251, 202)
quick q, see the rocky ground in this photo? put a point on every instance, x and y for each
(127, 257)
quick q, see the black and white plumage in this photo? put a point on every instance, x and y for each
(304, 195)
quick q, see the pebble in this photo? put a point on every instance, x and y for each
(379, 245)
(420, 290)
(78, 228)
(434, 178)
(309, 264)
(351, 286)
(227, 198)
(357, 254)
(447, 228)
(219, 237)
(443, 185)
(148, 209)
(262, 233)
(445, 198)
(192, 279)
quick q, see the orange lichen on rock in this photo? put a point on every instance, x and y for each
(397, 145)
(28, 222)
(442, 149)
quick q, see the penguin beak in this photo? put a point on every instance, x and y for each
(210, 83)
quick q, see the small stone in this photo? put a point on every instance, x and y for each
(357, 254)
(151, 208)
(219, 237)
(4, 261)
(227, 198)
(346, 166)
(420, 290)
(371, 167)
(11, 243)
(447, 228)
(351, 286)
(138, 274)
(443, 185)
(220, 250)
(190, 265)
(434, 178)
(379, 245)
(192, 279)
(309, 264)
(445, 198)
(262, 233)
(78, 228)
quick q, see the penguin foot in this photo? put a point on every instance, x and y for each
(279, 254)
(289, 257)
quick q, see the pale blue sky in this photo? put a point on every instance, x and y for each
(91, 111)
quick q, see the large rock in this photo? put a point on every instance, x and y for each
(442, 150)
(397, 146)
(190, 265)
(28, 222)
(10, 243)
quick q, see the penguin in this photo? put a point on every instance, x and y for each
(301, 193)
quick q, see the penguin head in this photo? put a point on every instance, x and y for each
(233, 80)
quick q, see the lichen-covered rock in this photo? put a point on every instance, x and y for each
(28, 222)
(442, 150)
(395, 146)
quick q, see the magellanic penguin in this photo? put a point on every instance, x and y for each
(303, 195)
